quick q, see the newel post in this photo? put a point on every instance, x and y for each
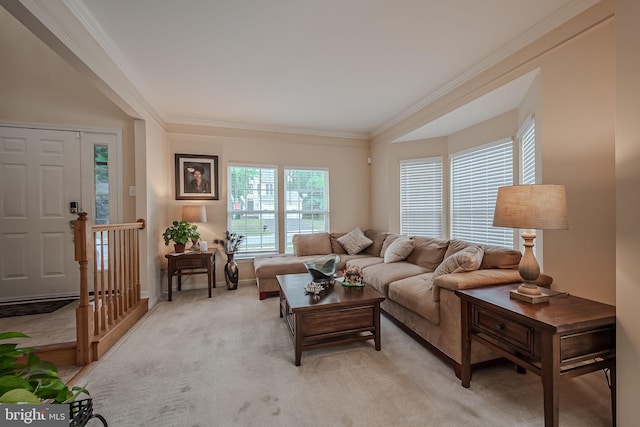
(84, 319)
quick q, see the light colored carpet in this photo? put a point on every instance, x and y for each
(228, 361)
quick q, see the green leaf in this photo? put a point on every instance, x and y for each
(19, 396)
(9, 382)
(8, 335)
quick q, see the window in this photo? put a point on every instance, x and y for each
(101, 175)
(252, 207)
(421, 197)
(527, 139)
(475, 178)
(306, 195)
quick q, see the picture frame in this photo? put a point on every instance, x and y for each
(196, 177)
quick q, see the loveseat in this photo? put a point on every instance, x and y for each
(417, 275)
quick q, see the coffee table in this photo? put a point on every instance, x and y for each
(338, 315)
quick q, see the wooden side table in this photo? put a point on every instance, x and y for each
(194, 263)
(561, 339)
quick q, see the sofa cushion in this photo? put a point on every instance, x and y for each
(468, 259)
(363, 261)
(378, 238)
(498, 257)
(494, 256)
(311, 244)
(268, 266)
(378, 276)
(398, 250)
(355, 241)
(478, 278)
(428, 252)
(415, 293)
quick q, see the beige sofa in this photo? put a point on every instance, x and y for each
(419, 289)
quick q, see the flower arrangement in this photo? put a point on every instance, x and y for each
(353, 275)
(231, 242)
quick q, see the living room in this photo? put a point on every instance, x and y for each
(574, 96)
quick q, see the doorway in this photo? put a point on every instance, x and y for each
(47, 176)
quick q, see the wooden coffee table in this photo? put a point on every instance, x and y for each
(339, 315)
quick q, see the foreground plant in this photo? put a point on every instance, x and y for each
(25, 378)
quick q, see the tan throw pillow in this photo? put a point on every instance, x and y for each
(355, 241)
(468, 259)
(398, 250)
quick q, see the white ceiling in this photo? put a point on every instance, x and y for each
(336, 67)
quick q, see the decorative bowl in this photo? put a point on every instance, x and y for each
(323, 272)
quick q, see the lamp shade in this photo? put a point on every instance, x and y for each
(194, 214)
(540, 207)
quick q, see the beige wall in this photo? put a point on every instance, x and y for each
(346, 160)
(152, 149)
(628, 206)
(38, 87)
(576, 137)
(573, 101)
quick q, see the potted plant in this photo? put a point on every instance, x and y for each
(25, 378)
(180, 233)
(230, 245)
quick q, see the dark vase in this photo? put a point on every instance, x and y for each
(231, 272)
(179, 247)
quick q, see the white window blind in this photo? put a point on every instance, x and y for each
(475, 178)
(527, 138)
(306, 203)
(252, 207)
(421, 197)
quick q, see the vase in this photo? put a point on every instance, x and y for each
(179, 247)
(231, 272)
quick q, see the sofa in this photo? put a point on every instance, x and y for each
(417, 275)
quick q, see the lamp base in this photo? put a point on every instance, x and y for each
(532, 299)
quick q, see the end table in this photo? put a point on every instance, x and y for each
(560, 339)
(193, 263)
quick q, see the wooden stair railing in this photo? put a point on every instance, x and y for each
(110, 303)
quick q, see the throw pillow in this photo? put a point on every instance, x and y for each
(468, 259)
(355, 241)
(398, 250)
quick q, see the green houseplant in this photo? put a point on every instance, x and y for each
(25, 378)
(180, 232)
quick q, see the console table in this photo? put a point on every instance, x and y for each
(193, 263)
(564, 338)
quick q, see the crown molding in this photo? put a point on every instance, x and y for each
(94, 28)
(201, 121)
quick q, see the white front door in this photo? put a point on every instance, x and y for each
(39, 179)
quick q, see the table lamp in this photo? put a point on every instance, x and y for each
(531, 207)
(193, 214)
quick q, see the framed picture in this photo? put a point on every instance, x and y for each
(196, 177)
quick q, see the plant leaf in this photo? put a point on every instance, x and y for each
(8, 335)
(19, 396)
